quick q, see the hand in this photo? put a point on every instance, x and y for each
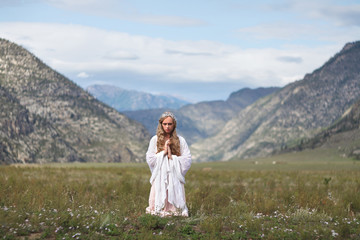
(166, 146)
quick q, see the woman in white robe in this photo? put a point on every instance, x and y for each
(169, 159)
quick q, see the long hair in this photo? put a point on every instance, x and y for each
(174, 139)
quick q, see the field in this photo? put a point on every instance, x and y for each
(306, 195)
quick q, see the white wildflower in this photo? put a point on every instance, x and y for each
(76, 234)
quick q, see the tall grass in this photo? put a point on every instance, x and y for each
(244, 201)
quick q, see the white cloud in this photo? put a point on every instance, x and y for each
(121, 55)
(124, 10)
(300, 32)
(74, 49)
(290, 59)
(83, 75)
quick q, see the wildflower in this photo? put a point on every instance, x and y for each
(76, 234)
(334, 234)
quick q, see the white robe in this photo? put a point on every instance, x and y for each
(168, 176)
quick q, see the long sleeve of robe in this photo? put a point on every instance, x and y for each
(167, 195)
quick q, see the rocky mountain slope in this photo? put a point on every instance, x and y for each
(204, 119)
(130, 100)
(343, 135)
(47, 118)
(296, 112)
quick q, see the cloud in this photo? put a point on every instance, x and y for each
(290, 59)
(74, 49)
(342, 15)
(124, 10)
(339, 13)
(83, 75)
(169, 51)
(282, 31)
(121, 55)
(309, 22)
(296, 32)
(12, 3)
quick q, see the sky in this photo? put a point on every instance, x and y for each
(196, 50)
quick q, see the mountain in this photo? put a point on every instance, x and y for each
(45, 117)
(204, 119)
(246, 96)
(296, 112)
(343, 135)
(130, 100)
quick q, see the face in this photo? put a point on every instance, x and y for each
(168, 125)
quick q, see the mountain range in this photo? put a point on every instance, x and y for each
(204, 119)
(130, 100)
(285, 118)
(45, 117)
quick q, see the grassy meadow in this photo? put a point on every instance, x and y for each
(305, 195)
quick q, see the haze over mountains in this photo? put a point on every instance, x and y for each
(204, 119)
(45, 117)
(130, 100)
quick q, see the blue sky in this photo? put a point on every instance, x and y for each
(198, 50)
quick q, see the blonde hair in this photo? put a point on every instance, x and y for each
(174, 139)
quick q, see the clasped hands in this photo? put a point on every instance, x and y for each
(167, 149)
